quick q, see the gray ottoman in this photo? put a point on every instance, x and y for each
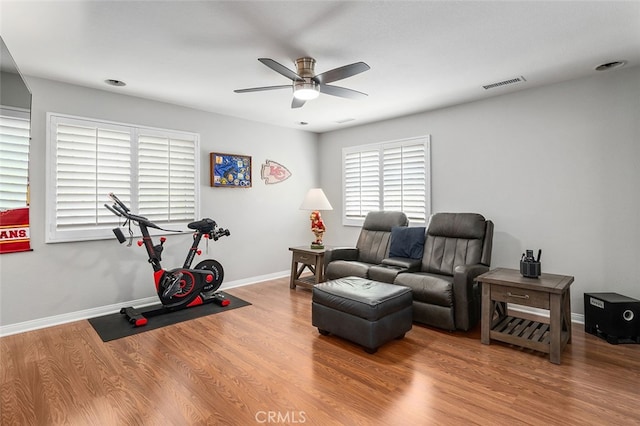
(363, 311)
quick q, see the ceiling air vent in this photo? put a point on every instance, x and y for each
(610, 65)
(505, 82)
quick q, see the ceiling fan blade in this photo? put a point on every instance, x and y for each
(341, 72)
(297, 103)
(341, 92)
(261, 89)
(281, 69)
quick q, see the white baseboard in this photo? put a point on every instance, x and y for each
(7, 330)
(577, 318)
(21, 327)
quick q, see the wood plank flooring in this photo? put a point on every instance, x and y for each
(266, 364)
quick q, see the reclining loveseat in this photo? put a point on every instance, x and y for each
(456, 248)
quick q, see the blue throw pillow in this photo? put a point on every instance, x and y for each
(407, 242)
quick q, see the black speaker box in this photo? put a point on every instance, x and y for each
(613, 317)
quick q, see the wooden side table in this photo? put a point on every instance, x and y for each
(501, 287)
(303, 258)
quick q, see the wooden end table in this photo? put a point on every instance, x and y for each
(502, 286)
(303, 258)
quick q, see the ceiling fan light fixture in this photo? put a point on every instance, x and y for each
(306, 90)
(306, 85)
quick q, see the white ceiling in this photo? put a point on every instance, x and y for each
(423, 54)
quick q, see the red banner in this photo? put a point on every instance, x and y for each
(14, 230)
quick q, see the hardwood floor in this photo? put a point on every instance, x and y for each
(265, 363)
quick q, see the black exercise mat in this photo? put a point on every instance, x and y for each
(114, 326)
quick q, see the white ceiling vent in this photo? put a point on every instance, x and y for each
(505, 82)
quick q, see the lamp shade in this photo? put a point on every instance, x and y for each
(315, 200)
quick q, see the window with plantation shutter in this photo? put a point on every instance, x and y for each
(391, 176)
(14, 161)
(151, 170)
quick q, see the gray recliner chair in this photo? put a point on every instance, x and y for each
(372, 247)
(457, 249)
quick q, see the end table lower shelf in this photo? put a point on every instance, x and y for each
(527, 333)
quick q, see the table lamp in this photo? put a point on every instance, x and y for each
(315, 200)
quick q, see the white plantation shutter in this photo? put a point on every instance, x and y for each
(91, 161)
(14, 161)
(404, 183)
(151, 170)
(166, 178)
(391, 176)
(361, 183)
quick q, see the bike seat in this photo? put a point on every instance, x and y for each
(203, 225)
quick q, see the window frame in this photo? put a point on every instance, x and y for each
(380, 147)
(104, 229)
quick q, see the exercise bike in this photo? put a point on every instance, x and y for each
(177, 288)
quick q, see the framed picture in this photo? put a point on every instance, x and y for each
(230, 170)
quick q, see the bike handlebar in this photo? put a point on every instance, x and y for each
(117, 201)
(112, 210)
(120, 209)
(204, 225)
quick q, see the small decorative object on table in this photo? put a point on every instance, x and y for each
(315, 200)
(529, 266)
(318, 228)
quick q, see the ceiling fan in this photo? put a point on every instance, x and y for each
(307, 85)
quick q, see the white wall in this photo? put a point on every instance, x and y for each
(58, 279)
(555, 168)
